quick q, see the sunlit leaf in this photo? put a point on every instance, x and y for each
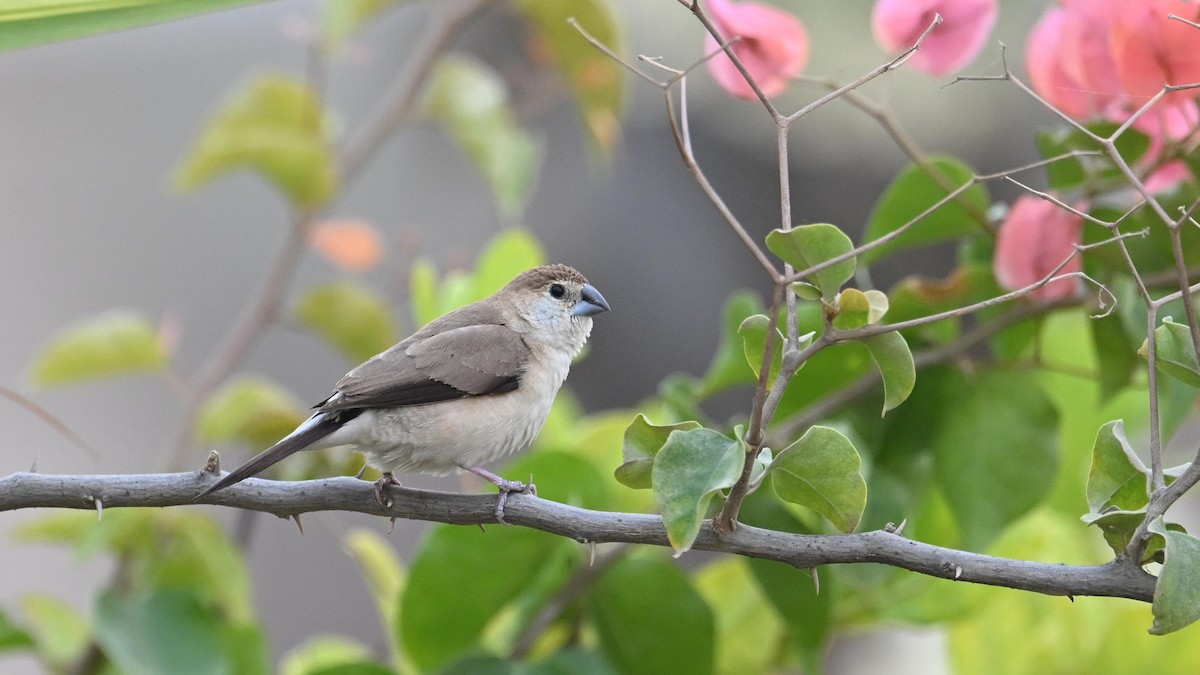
(25, 23)
(276, 127)
(914, 191)
(322, 654)
(821, 471)
(350, 316)
(641, 444)
(895, 362)
(506, 255)
(1177, 593)
(1175, 353)
(471, 101)
(853, 310)
(810, 245)
(383, 570)
(59, 633)
(688, 471)
(650, 620)
(114, 343)
(746, 627)
(249, 410)
(594, 80)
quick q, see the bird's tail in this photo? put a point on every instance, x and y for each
(314, 429)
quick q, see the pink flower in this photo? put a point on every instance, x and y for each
(1150, 50)
(1036, 237)
(965, 27)
(773, 47)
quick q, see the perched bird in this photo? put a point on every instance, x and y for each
(472, 386)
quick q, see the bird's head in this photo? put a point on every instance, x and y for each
(556, 300)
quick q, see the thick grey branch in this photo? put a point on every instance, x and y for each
(30, 490)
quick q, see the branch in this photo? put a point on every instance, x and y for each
(1119, 578)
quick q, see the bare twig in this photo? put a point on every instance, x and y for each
(1119, 578)
(49, 419)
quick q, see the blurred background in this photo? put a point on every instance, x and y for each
(92, 130)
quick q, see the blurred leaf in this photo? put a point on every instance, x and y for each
(11, 635)
(382, 569)
(915, 297)
(569, 661)
(250, 410)
(509, 253)
(688, 471)
(323, 653)
(747, 630)
(353, 318)
(126, 530)
(728, 367)
(896, 367)
(995, 455)
(1117, 354)
(341, 18)
(276, 127)
(1117, 479)
(477, 664)
(593, 79)
(912, 193)
(353, 245)
(192, 552)
(113, 343)
(470, 100)
(1068, 174)
(25, 23)
(642, 442)
(165, 632)
(754, 343)
(1177, 593)
(470, 575)
(564, 477)
(1175, 354)
(821, 471)
(423, 292)
(809, 245)
(650, 620)
(60, 635)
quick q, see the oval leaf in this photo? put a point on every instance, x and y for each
(688, 471)
(275, 127)
(1175, 353)
(168, 631)
(1117, 479)
(895, 362)
(114, 343)
(754, 343)
(728, 367)
(1177, 593)
(353, 318)
(821, 471)
(506, 255)
(810, 245)
(249, 410)
(913, 192)
(642, 443)
(853, 310)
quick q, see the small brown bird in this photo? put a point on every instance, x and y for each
(472, 386)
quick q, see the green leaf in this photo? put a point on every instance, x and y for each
(650, 620)
(11, 635)
(250, 410)
(994, 455)
(1117, 527)
(805, 291)
(276, 127)
(728, 367)
(470, 100)
(810, 245)
(1175, 353)
(564, 477)
(25, 23)
(164, 632)
(60, 635)
(747, 629)
(1116, 352)
(341, 18)
(1069, 174)
(319, 654)
(592, 78)
(1117, 479)
(641, 445)
(506, 255)
(353, 318)
(688, 471)
(895, 362)
(113, 343)
(382, 569)
(821, 471)
(853, 310)
(569, 661)
(470, 575)
(754, 343)
(423, 292)
(878, 302)
(912, 193)
(1177, 593)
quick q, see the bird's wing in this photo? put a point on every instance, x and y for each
(472, 360)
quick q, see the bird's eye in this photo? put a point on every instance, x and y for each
(557, 290)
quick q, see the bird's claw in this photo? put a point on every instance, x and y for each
(509, 486)
(381, 490)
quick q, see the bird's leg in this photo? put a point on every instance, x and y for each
(380, 485)
(505, 486)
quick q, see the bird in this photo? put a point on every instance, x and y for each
(470, 387)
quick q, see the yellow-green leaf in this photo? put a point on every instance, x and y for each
(351, 317)
(114, 343)
(810, 245)
(249, 410)
(895, 362)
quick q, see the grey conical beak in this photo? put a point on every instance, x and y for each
(591, 302)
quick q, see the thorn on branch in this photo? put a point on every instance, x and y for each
(892, 528)
(99, 508)
(299, 524)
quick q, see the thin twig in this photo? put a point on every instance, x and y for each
(49, 419)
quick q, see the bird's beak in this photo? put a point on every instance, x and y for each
(591, 303)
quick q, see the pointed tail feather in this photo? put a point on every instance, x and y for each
(317, 427)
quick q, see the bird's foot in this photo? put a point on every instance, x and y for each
(380, 489)
(505, 486)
